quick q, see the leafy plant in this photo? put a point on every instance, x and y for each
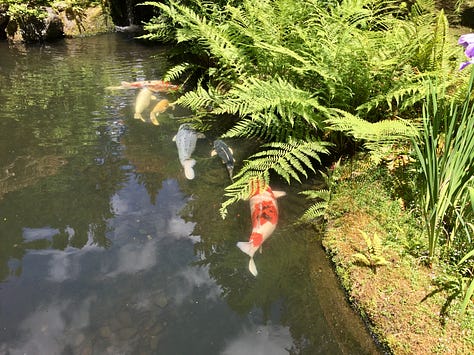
(469, 291)
(323, 196)
(288, 160)
(445, 151)
(372, 256)
(302, 73)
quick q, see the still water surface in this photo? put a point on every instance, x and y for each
(105, 247)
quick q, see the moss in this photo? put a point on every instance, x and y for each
(401, 302)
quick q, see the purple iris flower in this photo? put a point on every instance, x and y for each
(467, 41)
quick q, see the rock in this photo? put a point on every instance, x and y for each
(54, 26)
(154, 340)
(161, 300)
(4, 19)
(125, 318)
(127, 333)
(105, 332)
(89, 22)
(58, 22)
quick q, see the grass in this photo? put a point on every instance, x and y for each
(403, 304)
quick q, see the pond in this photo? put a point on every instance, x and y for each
(106, 247)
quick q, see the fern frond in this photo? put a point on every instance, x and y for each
(377, 244)
(199, 99)
(379, 261)
(315, 211)
(177, 71)
(289, 160)
(286, 159)
(361, 258)
(256, 95)
(323, 194)
(368, 240)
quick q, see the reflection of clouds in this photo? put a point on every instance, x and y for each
(51, 329)
(262, 340)
(66, 264)
(193, 277)
(30, 234)
(179, 228)
(132, 258)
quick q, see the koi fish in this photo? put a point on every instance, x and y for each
(153, 85)
(160, 107)
(264, 213)
(226, 154)
(143, 100)
(186, 139)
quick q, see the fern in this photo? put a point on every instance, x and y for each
(288, 160)
(378, 137)
(177, 71)
(317, 209)
(371, 257)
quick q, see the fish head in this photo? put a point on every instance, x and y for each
(217, 144)
(258, 186)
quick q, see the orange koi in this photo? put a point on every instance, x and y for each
(160, 107)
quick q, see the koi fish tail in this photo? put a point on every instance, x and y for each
(138, 116)
(253, 267)
(188, 168)
(248, 249)
(153, 119)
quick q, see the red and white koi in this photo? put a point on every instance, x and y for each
(264, 213)
(153, 85)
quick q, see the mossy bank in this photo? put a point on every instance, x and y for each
(405, 302)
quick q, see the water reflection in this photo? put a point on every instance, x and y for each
(106, 248)
(261, 340)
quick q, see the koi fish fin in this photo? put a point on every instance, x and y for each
(279, 194)
(139, 116)
(253, 267)
(213, 153)
(188, 168)
(114, 87)
(246, 247)
(201, 135)
(154, 120)
(174, 138)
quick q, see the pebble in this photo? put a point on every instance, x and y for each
(105, 332)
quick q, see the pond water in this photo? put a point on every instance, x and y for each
(106, 248)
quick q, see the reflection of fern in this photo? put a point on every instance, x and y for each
(371, 257)
(289, 160)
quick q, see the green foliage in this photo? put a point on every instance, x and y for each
(288, 160)
(322, 196)
(378, 137)
(300, 72)
(21, 11)
(445, 151)
(372, 256)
